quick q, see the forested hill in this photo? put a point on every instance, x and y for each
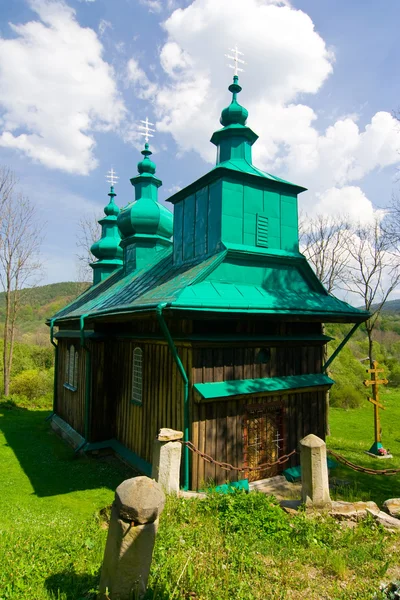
(38, 304)
(392, 306)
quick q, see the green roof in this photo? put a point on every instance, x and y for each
(234, 280)
(239, 387)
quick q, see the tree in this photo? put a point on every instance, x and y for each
(89, 232)
(20, 240)
(373, 271)
(323, 241)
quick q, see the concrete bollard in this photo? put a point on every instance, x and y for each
(167, 453)
(129, 548)
(314, 472)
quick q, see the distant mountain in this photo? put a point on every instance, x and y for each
(38, 304)
(392, 306)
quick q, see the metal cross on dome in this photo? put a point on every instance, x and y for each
(112, 177)
(148, 131)
(236, 59)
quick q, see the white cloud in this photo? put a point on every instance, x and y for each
(137, 77)
(103, 26)
(286, 60)
(157, 6)
(153, 5)
(56, 90)
(348, 200)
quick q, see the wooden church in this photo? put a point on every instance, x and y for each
(207, 320)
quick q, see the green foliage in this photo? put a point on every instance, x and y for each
(33, 384)
(239, 512)
(346, 396)
(348, 374)
(394, 377)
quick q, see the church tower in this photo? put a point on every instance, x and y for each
(107, 249)
(235, 203)
(145, 225)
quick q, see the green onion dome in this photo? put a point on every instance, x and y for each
(145, 217)
(234, 114)
(107, 247)
(146, 165)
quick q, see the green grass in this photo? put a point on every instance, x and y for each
(51, 543)
(352, 432)
(240, 547)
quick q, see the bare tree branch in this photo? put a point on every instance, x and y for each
(89, 232)
(373, 271)
(323, 241)
(20, 240)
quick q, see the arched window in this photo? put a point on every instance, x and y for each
(137, 376)
(71, 368)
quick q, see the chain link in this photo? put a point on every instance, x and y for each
(361, 469)
(229, 467)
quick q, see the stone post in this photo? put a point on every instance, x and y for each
(129, 548)
(167, 460)
(314, 472)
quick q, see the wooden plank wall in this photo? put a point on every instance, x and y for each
(137, 426)
(101, 414)
(241, 362)
(71, 405)
(217, 430)
(217, 427)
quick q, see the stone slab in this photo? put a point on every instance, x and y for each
(277, 486)
(390, 523)
(378, 456)
(392, 506)
(69, 434)
(353, 511)
(169, 435)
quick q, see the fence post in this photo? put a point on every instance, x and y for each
(314, 472)
(129, 548)
(167, 453)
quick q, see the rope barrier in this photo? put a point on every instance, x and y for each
(229, 467)
(361, 469)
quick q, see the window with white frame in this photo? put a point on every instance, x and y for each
(137, 376)
(71, 368)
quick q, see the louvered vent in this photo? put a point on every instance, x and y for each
(262, 230)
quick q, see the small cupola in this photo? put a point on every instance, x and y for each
(107, 249)
(235, 140)
(145, 225)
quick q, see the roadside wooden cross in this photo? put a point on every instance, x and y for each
(375, 382)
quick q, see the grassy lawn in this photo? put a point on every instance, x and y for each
(240, 547)
(50, 543)
(353, 433)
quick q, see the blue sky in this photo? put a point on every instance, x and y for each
(320, 83)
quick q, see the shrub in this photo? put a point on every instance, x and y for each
(32, 383)
(394, 377)
(346, 397)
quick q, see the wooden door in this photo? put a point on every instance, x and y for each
(262, 439)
